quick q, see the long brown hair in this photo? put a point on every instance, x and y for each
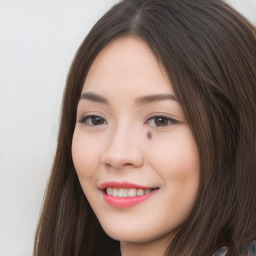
(209, 53)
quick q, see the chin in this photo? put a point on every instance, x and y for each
(136, 233)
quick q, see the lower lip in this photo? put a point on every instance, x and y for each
(124, 202)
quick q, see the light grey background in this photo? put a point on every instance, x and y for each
(38, 39)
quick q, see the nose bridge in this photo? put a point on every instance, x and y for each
(123, 147)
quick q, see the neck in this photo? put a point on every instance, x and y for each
(157, 247)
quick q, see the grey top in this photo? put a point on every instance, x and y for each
(251, 250)
(221, 252)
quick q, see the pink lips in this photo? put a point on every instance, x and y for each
(124, 202)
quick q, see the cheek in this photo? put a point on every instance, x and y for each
(85, 154)
(175, 153)
(177, 161)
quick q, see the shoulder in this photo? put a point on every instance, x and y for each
(249, 251)
(221, 252)
(252, 249)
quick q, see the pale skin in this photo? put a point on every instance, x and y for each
(131, 128)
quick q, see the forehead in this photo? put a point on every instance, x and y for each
(127, 62)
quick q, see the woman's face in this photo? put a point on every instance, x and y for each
(134, 153)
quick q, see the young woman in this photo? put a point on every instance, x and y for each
(157, 142)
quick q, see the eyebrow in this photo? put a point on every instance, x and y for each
(93, 97)
(156, 97)
(139, 101)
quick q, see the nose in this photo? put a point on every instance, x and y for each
(123, 150)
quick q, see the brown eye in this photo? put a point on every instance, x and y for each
(93, 120)
(161, 121)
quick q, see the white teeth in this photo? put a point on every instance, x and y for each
(140, 192)
(131, 192)
(109, 191)
(114, 192)
(127, 192)
(122, 192)
(147, 191)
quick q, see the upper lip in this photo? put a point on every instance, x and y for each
(114, 184)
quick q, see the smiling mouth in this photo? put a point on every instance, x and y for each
(127, 192)
(121, 197)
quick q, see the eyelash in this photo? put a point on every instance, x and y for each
(89, 119)
(166, 121)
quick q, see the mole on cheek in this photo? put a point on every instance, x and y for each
(149, 135)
